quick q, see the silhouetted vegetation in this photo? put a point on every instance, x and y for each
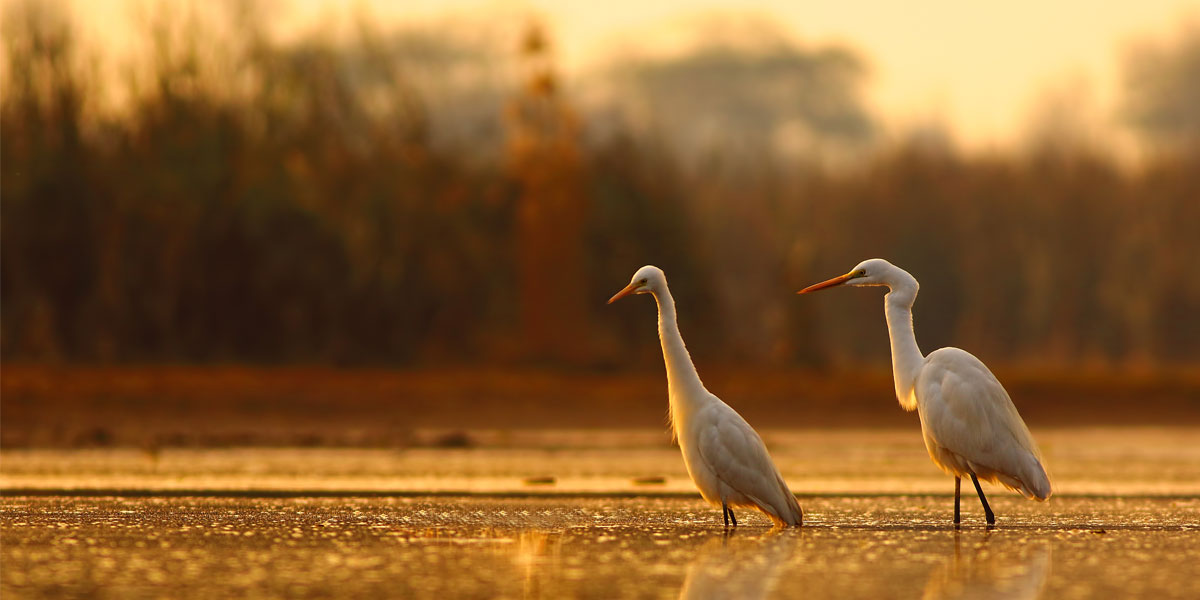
(324, 201)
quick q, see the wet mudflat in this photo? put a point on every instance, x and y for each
(562, 546)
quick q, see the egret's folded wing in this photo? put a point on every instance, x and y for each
(737, 456)
(968, 412)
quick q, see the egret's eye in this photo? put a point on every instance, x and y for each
(642, 282)
(862, 273)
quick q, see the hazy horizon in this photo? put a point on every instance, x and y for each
(982, 74)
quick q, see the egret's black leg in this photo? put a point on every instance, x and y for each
(725, 513)
(987, 510)
(957, 487)
(732, 518)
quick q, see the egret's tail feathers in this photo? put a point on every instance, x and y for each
(790, 518)
(1039, 485)
(787, 515)
(796, 519)
(1036, 482)
(1033, 484)
(792, 515)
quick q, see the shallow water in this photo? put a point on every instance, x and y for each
(553, 514)
(879, 547)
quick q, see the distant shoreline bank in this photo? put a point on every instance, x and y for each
(206, 406)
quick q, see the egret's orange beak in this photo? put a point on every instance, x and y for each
(839, 280)
(625, 292)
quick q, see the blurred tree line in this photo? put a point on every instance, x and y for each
(410, 199)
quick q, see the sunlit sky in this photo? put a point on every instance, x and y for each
(979, 68)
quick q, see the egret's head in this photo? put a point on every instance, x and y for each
(873, 271)
(648, 279)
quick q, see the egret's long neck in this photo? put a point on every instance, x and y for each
(683, 383)
(906, 356)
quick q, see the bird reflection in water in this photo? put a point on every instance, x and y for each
(739, 566)
(977, 571)
(534, 550)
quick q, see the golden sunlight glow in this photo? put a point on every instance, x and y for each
(978, 68)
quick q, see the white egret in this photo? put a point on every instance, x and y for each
(970, 425)
(723, 454)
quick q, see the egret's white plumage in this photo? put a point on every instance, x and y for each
(723, 454)
(970, 425)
